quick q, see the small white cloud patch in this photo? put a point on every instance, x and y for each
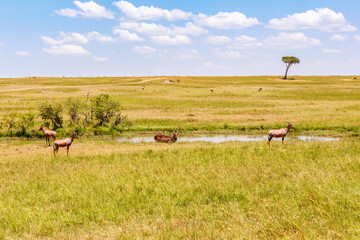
(146, 50)
(127, 36)
(338, 37)
(171, 40)
(66, 50)
(291, 41)
(100, 59)
(22, 53)
(218, 40)
(330, 51)
(87, 10)
(225, 20)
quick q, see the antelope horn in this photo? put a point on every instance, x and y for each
(288, 122)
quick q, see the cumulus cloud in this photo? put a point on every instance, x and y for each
(330, 51)
(186, 54)
(338, 37)
(225, 20)
(218, 40)
(150, 13)
(323, 19)
(357, 37)
(74, 50)
(100, 59)
(22, 53)
(158, 29)
(99, 37)
(127, 36)
(86, 10)
(145, 50)
(245, 42)
(73, 38)
(227, 54)
(170, 40)
(291, 41)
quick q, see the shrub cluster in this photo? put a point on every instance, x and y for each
(101, 115)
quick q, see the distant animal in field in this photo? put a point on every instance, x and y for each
(166, 139)
(277, 133)
(64, 143)
(211, 90)
(260, 89)
(143, 87)
(48, 134)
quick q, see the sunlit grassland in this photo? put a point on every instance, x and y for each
(310, 103)
(109, 190)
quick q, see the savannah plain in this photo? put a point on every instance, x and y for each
(243, 190)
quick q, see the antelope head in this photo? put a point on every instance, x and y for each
(74, 135)
(41, 127)
(290, 126)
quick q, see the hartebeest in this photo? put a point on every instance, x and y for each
(277, 133)
(48, 134)
(64, 143)
(166, 139)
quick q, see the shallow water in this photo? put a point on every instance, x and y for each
(230, 138)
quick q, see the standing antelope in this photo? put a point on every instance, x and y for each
(166, 139)
(64, 143)
(276, 133)
(48, 134)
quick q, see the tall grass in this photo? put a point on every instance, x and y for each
(230, 190)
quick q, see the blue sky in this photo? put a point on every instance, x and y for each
(149, 38)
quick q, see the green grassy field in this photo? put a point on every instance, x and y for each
(112, 190)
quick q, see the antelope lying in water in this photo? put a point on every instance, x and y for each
(166, 139)
(48, 134)
(64, 143)
(276, 133)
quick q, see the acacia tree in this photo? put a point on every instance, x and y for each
(289, 61)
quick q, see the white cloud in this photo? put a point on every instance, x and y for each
(170, 40)
(150, 13)
(1, 44)
(145, 50)
(323, 19)
(291, 41)
(245, 42)
(338, 37)
(69, 38)
(186, 54)
(22, 53)
(86, 10)
(218, 40)
(127, 36)
(158, 29)
(227, 54)
(226, 20)
(66, 50)
(99, 37)
(100, 59)
(331, 51)
(357, 37)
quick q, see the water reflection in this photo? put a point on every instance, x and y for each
(230, 138)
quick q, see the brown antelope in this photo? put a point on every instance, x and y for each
(48, 134)
(277, 133)
(260, 89)
(166, 139)
(64, 143)
(211, 90)
(143, 87)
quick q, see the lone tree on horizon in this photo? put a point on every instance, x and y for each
(289, 61)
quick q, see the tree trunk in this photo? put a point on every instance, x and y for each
(287, 69)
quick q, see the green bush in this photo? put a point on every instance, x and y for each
(52, 112)
(104, 108)
(74, 108)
